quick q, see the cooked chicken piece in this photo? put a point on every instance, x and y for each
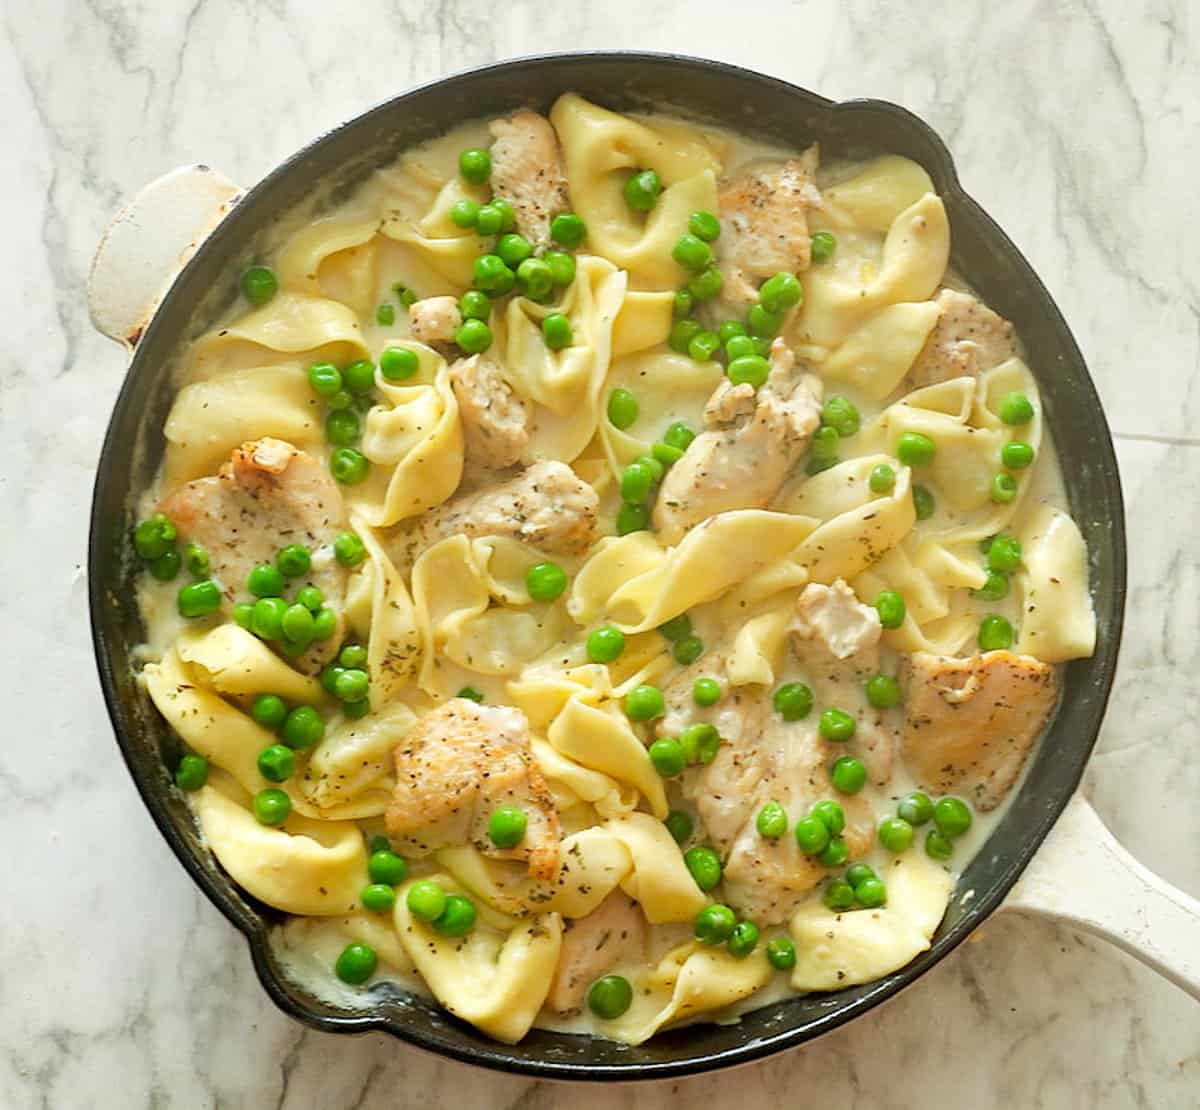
(967, 339)
(493, 416)
(546, 505)
(434, 319)
(613, 933)
(971, 722)
(269, 494)
(834, 616)
(527, 171)
(751, 443)
(764, 224)
(456, 766)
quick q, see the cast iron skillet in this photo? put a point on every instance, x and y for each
(739, 99)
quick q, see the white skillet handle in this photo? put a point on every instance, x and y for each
(148, 243)
(1082, 875)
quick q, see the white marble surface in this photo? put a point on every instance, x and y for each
(1075, 122)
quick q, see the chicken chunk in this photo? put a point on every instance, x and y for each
(764, 224)
(434, 319)
(267, 495)
(972, 722)
(457, 765)
(546, 506)
(967, 339)
(613, 933)
(750, 444)
(834, 616)
(494, 418)
(527, 171)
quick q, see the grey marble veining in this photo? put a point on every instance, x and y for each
(1076, 123)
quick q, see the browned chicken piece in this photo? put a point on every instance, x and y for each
(613, 933)
(527, 171)
(546, 506)
(764, 224)
(750, 444)
(971, 722)
(493, 417)
(835, 617)
(967, 339)
(456, 766)
(269, 494)
(434, 319)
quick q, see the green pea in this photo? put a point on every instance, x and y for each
(871, 893)
(622, 408)
(831, 815)
(192, 772)
(1004, 554)
(952, 816)
(324, 623)
(1016, 455)
(772, 821)
(1015, 409)
(243, 614)
(836, 724)
(680, 825)
(378, 898)
(692, 253)
(458, 918)
(666, 454)
(609, 997)
(781, 953)
(896, 835)
(763, 324)
(706, 692)
(198, 599)
(265, 581)
(882, 479)
(636, 483)
(704, 225)
(938, 846)
(342, 399)
(473, 336)
(995, 633)
(269, 710)
(824, 449)
(821, 246)
(994, 588)
(838, 896)
(271, 806)
(704, 865)
(811, 835)
(342, 428)
(793, 701)
(353, 655)
(644, 703)
(259, 284)
(324, 378)
(545, 581)
(915, 449)
(356, 964)
(348, 466)
(329, 678)
(924, 504)
(166, 566)
(471, 694)
(891, 609)
(632, 518)
(731, 329)
(848, 775)
(700, 742)
(682, 333)
(858, 873)
(1004, 488)
(834, 854)
(508, 214)
(751, 370)
(397, 364)
(683, 304)
(266, 621)
(562, 268)
(474, 304)
(740, 346)
(153, 538)
(385, 866)
(303, 727)
(359, 376)
(534, 279)
(426, 900)
(883, 691)
(557, 332)
(642, 189)
(679, 435)
(475, 165)
(277, 763)
(841, 413)
(568, 230)
(406, 297)
(352, 685)
(780, 293)
(688, 650)
(604, 644)
(355, 709)
(916, 808)
(349, 549)
(294, 560)
(706, 284)
(491, 274)
(464, 213)
(667, 756)
(714, 924)
(506, 826)
(385, 315)
(514, 249)
(197, 559)
(677, 627)
(703, 346)
(743, 940)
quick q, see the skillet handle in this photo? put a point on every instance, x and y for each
(1082, 876)
(147, 244)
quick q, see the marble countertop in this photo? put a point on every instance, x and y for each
(1075, 123)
